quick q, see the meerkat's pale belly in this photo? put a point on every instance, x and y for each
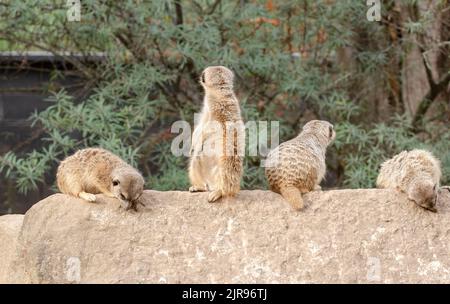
(207, 149)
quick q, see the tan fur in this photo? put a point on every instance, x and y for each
(93, 170)
(416, 173)
(221, 172)
(297, 166)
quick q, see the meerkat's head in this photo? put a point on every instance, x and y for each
(322, 129)
(424, 194)
(217, 77)
(127, 184)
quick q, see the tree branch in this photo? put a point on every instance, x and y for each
(426, 65)
(426, 102)
(178, 12)
(213, 7)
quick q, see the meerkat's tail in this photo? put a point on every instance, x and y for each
(230, 174)
(293, 196)
(229, 179)
(232, 161)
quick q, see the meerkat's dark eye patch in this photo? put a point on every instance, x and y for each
(115, 182)
(123, 197)
(202, 78)
(330, 128)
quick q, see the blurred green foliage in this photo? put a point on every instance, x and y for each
(288, 63)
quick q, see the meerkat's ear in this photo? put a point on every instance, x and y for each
(115, 182)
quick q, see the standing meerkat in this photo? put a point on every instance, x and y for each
(220, 170)
(93, 170)
(297, 166)
(416, 173)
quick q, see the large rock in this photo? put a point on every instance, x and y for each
(343, 236)
(9, 231)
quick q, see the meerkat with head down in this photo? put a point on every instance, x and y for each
(93, 170)
(298, 166)
(220, 129)
(416, 173)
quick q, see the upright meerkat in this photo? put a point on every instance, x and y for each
(416, 173)
(218, 171)
(93, 170)
(297, 166)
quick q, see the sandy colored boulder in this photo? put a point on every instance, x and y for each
(342, 236)
(10, 226)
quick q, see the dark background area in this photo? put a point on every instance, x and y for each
(25, 81)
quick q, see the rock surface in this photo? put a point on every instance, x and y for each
(343, 236)
(9, 232)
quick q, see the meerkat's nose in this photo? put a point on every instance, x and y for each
(202, 77)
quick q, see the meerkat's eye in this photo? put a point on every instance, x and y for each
(331, 131)
(115, 182)
(123, 197)
(203, 77)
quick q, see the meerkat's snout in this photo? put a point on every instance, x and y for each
(429, 204)
(202, 78)
(432, 201)
(332, 133)
(425, 195)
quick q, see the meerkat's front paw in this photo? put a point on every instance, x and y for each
(214, 196)
(196, 189)
(317, 188)
(203, 188)
(87, 196)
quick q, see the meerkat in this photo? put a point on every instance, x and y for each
(219, 172)
(298, 166)
(93, 170)
(416, 173)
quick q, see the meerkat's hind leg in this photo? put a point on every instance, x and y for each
(87, 196)
(214, 196)
(293, 196)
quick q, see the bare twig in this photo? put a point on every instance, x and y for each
(213, 7)
(429, 98)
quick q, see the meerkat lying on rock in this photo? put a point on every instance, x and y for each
(298, 165)
(93, 170)
(416, 173)
(219, 172)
